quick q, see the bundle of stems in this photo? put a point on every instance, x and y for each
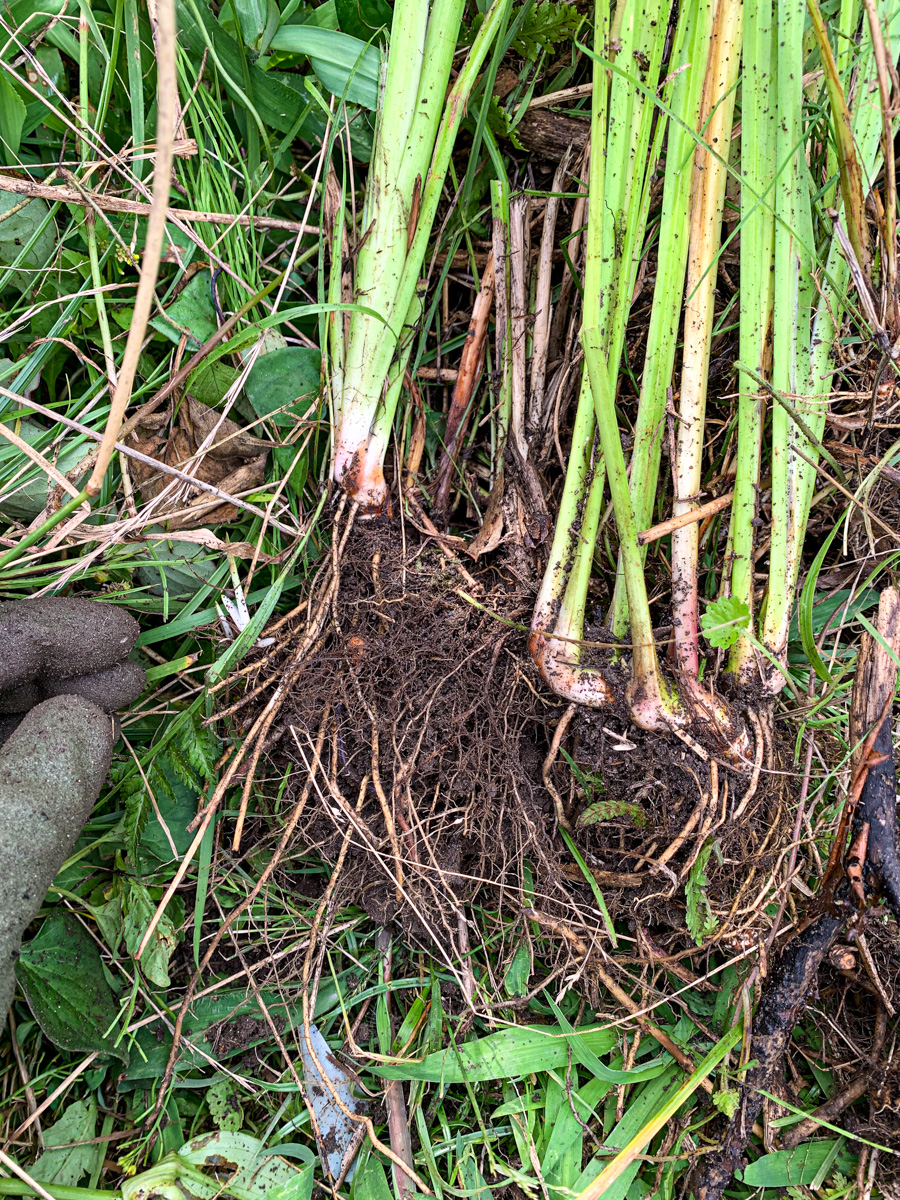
(415, 132)
(625, 146)
(624, 151)
(792, 307)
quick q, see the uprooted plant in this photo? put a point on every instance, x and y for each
(792, 304)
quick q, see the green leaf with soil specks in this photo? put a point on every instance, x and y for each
(139, 910)
(288, 379)
(225, 1106)
(66, 1166)
(797, 1168)
(61, 974)
(371, 1183)
(701, 921)
(506, 1055)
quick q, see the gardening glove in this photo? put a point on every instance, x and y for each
(54, 647)
(63, 670)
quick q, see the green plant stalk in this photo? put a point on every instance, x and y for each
(620, 141)
(792, 311)
(707, 202)
(652, 703)
(631, 166)
(830, 309)
(360, 442)
(90, 226)
(557, 626)
(336, 322)
(844, 28)
(848, 162)
(18, 1187)
(110, 72)
(500, 235)
(381, 430)
(683, 97)
(84, 31)
(626, 166)
(650, 700)
(135, 85)
(387, 210)
(756, 297)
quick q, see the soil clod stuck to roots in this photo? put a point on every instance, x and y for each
(435, 761)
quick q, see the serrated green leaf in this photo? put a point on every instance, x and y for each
(701, 921)
(609, 810)
(724, 621)
(65, 1167)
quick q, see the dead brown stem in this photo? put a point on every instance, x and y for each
(115, 204)
(470, 365)
(166, 100)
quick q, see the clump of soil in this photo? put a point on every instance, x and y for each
(436, 732)
(660, 806)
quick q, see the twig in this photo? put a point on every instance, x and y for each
(114, 204)
(24, 1176)
(23, 1074)
(655, 532)
(398, 1123)
(655, 1032)
(470, 365)
(558, 734)
(54, 1095)
(167, 94)
(130, 452)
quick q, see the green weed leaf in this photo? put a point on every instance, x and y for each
(139, 909)
(65, 1167)
(609, 810)
(727, 1101)
(61, 974)
(701, 921)
(783, 1168)
(724, 621)
(225, 1106)
(508, 1054)
(547, 26)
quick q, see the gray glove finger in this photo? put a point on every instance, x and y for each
(58, 638)
(21, 699)
(112, 689)
(51, 771)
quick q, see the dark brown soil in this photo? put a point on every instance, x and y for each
(463, 724)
